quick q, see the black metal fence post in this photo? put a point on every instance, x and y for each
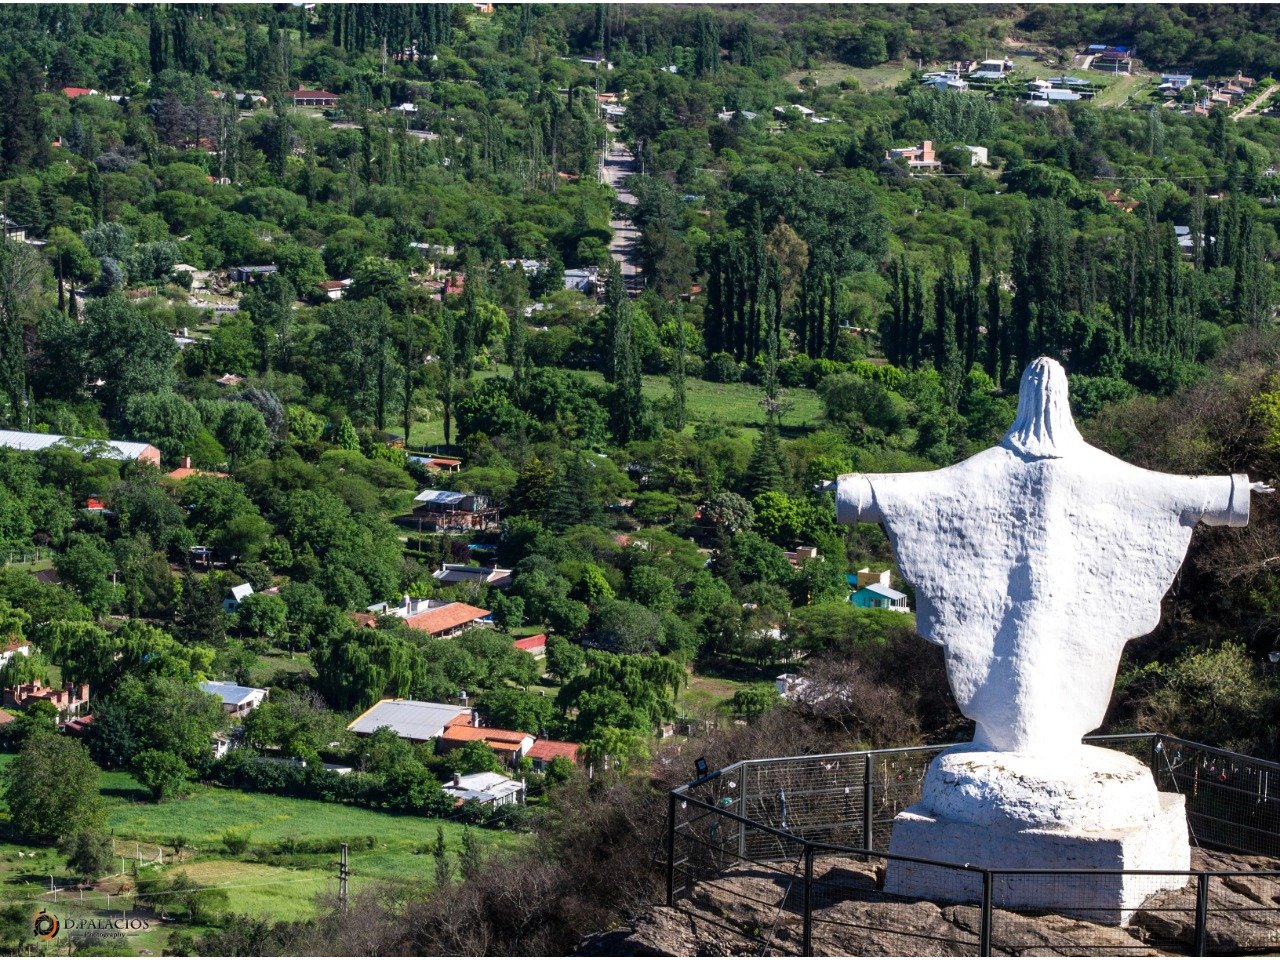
(1202, 915)
(868, 806)
(984, 931)
(808, 901)
(671, 849)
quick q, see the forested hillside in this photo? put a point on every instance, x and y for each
(325, 257)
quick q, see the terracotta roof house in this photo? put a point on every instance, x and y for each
(187, 470)
(72, 92)
(510, 745)
(313, 98)
(70, 700)
(536, 645)
(14, 648)
(544, 751)
(440, 618)
(333, 289)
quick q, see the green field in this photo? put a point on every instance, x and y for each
(267, 880)
(879, 77)
(730, 404)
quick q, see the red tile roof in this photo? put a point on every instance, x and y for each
(73, 92)
(5, 717)
(548, 750)
(538, 642)
(449, 617)
(181, 473)
(363, 619)
(501, 739)
(313, 95)
(13, 645)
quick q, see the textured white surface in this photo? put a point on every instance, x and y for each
(1159, 843)
(1094, 790)
(1035, 561)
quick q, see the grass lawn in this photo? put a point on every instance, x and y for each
(731, 404)
(869, 78)
(269, 664)
(705, 695)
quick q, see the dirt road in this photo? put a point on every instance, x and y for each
(617, 164)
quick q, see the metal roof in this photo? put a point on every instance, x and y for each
(111, 449)
(410, 719)
(230, 693)
(440, 496)
(883, 591)
(483, 787)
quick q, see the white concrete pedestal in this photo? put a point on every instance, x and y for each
(1097, 810)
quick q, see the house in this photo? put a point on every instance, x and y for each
(921, 157)
(236, 700)
(991, 69)
(596, 63)
(535, 646)
(978, 156)
(14, 648)
(1114, 59)
(313, 98)
(800, 554)
(246, 101)
(251, 274)
(947, 83)
(1046, 95)
(238, 593)
(13, 230)
(781, 111)
(440, 618)
(333, 289)
(1176, 81)
(486, 789)
(439, 464)
(405, 108)
(417, 721)
(612, 111)
(70, 700)
(76, 726)
(1185, 241)
(790, 685)
(876, 596)
(71, 93)
(449, 510)
(1115, 199)
(187, 470)
(724, 116)
(544, 751)
(510, 745)
(464, 573)
(530, 267)
(583, 279)
(107, 449)
(219, 744)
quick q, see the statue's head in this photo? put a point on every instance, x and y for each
(1044, 426)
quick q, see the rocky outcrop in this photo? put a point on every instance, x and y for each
(757, 911)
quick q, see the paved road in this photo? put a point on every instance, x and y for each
(617, 164)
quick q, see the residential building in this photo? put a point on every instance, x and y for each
(465, 573)
(236, 700)
(405, 108)
(530, 266)
(439, 464)
(187, 470)
(219, 744)
(440, 618)
(417, 721)
(790, 685)
(1176, 81)
(107, 449)
(510, 745)
(14, 648)
(486, 789)
(1116, 199)
(1111, 59)
(946, 82)
(781, 111)
(72, 93)
(13, 230)
(920, 157)
(800, 554)
(333, 289)
(872, 590)
(237, 596)
(978, 156)
(70, 701)
(724, 116)
(251, 274)
(535, 646)
(991, 69)
(448, 510)
(313, 98)
(544, 751)
(583, 279)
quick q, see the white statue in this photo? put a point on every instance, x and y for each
(1034, 562)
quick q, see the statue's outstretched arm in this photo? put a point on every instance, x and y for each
(1220, 501)
(856, 500)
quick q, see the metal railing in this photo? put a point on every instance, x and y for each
(788, 854)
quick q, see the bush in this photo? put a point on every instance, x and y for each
(722, 368)
(236, 842)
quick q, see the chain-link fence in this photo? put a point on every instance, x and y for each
(785, 854)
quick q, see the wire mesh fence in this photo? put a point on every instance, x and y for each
(788, 854)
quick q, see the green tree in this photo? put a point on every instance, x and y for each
(90, 853)
(51, 789)
(161, 772)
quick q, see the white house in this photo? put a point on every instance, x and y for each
(487, 789)
(977, 156)
(237, 597)
(414, 720)
(14, 648)
(236, 700)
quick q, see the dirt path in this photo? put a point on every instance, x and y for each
(617, 164)
(1256, 103)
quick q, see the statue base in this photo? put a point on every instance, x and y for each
(1090, 810)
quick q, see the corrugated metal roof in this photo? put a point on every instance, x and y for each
(112, 449)
(410, 719)
(439, 496)
(231, 693)
(889, 592)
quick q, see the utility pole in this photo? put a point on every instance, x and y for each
(343, 874)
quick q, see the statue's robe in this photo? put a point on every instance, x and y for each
(1033, 571)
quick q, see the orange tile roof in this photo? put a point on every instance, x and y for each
(181, 473)
(509, 739)
(531, 643)
(363, 619)
(550, 749)
(444, 618)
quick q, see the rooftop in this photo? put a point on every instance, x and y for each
(448, 616)
(492, 735)
(110, 449)
(410, 719)
(230, 693)
(550, 749)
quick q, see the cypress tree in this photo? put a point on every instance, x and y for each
(677, 372)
